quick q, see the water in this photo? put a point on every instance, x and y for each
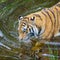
(9, 12)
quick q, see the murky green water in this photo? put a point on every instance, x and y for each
(9, 12)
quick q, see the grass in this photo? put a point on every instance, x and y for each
(55, 54)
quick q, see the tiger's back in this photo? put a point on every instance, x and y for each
(52, 21)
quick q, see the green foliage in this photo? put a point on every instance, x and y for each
(55, 54)
(7, 10)
(1, 1)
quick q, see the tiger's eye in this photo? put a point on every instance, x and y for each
(33, 18)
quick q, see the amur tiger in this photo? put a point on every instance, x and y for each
(42, 24)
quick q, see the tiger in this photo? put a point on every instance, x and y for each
(43, 24)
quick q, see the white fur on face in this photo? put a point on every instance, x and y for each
(35, 30)
(18, 24)
(19, 20)
(43, 28)
(24, 28)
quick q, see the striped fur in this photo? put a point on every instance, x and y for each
(43, 24)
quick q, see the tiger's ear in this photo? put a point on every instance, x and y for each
(32, 18)
(20, 17)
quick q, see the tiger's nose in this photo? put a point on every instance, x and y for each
(21, 38)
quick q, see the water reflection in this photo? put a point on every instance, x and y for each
(1, 34)
(1, 44)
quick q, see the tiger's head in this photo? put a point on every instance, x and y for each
(29, 26)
